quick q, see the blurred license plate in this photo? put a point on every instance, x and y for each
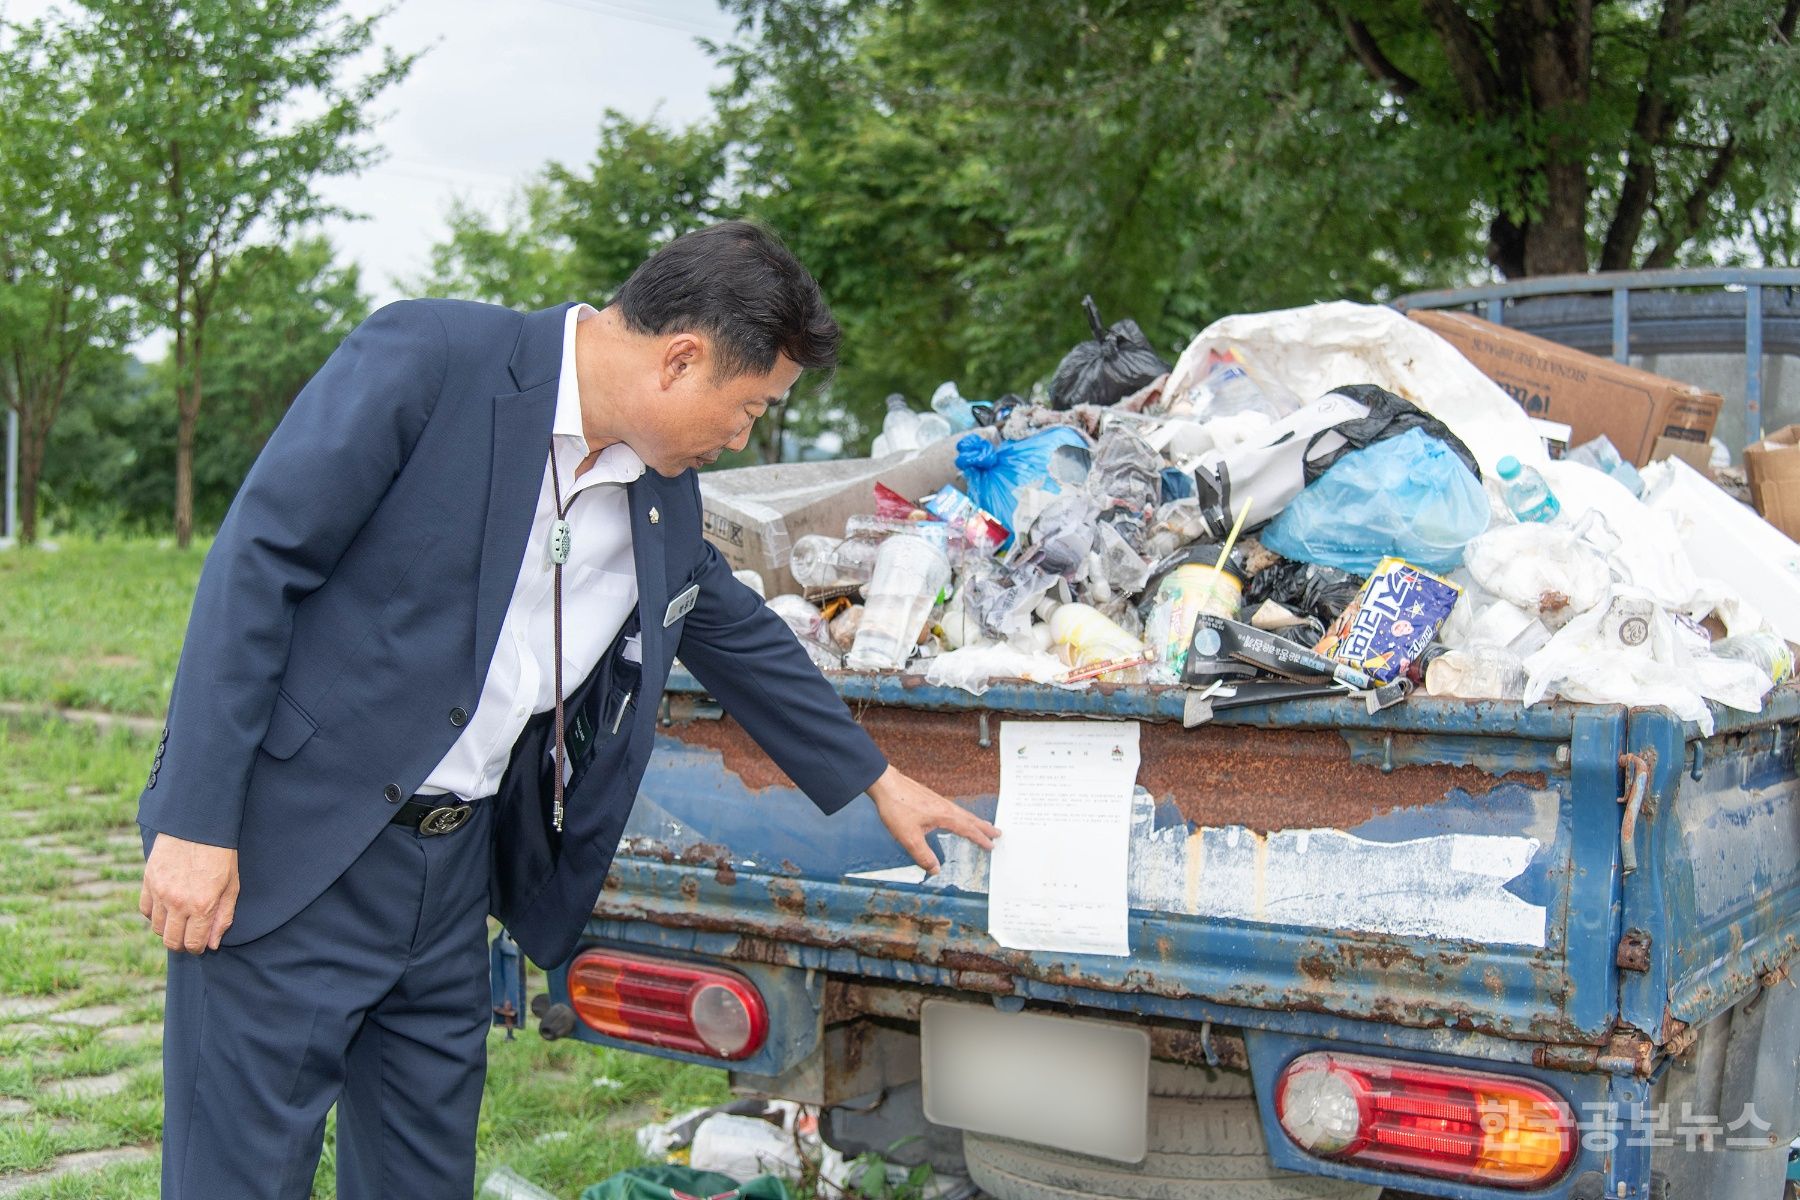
(1057, 1081)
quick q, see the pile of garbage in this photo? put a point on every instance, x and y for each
(1322, 501)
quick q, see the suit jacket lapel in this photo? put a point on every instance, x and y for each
(644, 495)
(521, 452)
(522, 422)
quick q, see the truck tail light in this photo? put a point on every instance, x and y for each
(668, 1004)
(1465, 1125)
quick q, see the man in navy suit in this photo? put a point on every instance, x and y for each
(419, 686)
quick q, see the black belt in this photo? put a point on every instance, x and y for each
(433, 816)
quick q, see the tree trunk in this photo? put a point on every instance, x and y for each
(31, 469)
(1556, 239)
(187, 405)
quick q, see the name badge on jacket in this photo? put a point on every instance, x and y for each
(680, 605)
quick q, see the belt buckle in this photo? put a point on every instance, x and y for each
(447, 818)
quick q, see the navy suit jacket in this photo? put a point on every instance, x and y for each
(350, 606)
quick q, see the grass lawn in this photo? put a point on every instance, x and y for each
(99, 626)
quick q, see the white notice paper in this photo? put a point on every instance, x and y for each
(1059, 873)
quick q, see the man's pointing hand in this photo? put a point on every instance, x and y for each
(910, 810)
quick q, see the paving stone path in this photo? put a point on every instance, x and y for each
(37, 1030)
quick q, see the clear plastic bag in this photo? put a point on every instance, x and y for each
(1629, 651)
(1062, 536)
(1114, 568)
(809, 625)
(1409, 497)
(1126, 471)
(999, 599)
(975, 668)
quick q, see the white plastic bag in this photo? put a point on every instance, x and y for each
(975, 668)
(1309, 351)
(1630, 651)
(1545, 571)
(1729, 542)
(744, 1147)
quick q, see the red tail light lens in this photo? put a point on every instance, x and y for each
(1465, 1125)
(669, 1004)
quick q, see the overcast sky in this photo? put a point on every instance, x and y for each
(506, 86)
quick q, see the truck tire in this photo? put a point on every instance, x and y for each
(1200, 1149)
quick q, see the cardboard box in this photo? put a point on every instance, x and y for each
(755, 514)
(1773, 467)
(1592, 395)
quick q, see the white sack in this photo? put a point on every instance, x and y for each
(1312, 350)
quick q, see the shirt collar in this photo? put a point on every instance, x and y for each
(617, 463)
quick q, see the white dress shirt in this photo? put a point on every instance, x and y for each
(599, 593)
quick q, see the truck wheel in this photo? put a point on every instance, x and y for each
(1200, 1149)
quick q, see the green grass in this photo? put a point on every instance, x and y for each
(99, 626)
(95, 624)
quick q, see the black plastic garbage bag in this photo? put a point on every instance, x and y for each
(1304, 589)
(1116, 363)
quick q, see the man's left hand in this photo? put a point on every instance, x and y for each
(910, 810)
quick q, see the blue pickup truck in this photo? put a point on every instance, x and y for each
(1453, 948)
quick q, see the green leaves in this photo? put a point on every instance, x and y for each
(227, 118)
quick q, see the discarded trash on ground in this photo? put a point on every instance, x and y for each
(769, 1144)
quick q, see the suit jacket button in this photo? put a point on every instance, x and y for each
(392, 792)
(458, 717)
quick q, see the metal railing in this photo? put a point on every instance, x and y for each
(1755, 285)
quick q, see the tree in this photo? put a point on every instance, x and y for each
(230, 116)
(1614, 135)
(62, 264)
(1564, 135)
(523, 260)
(281, 311)
(571, 234)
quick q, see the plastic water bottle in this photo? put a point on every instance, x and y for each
(930, 428)
(949, 404)
(818, 561)
(901, 425)
(1529, 497)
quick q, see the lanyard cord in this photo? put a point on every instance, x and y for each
(559, 553)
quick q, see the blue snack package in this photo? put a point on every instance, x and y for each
(1392, 620)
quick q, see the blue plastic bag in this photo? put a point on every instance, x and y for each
(1408, 496)
(997, 474)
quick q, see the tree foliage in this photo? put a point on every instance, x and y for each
(228, 118)
(63, 267)
(112, 458)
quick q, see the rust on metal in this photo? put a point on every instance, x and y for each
(1627, 1052)
(1412, 989)
(1184, 1043)
(1634, 951)
(1215, 775)
(788, 897)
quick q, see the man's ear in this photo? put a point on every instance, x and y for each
(683, 355)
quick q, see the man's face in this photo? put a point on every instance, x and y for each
(698, 416)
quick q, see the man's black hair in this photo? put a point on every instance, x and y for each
(736, 283)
